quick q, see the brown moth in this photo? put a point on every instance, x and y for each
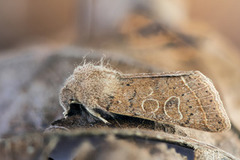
(187, 99)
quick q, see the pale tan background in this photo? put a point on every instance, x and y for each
(220, 14)
(56, 22)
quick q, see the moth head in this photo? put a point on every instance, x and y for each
(90, 86)
(67, 95)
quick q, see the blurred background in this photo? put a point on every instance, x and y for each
(59, 22)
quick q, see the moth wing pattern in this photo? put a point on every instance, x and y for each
(187, 99)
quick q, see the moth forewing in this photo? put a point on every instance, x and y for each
(188, 99)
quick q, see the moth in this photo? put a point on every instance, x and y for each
(188, 99)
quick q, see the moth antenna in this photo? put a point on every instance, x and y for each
(102, 60)
(84, 60)
(108, 64)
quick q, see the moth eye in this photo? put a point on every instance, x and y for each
(70, 100)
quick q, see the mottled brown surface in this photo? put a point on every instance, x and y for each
(104, 143)
(119, 149)
(149, 96)
(107, 143)
(27, 147)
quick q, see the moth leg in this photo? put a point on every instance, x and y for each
(172, 129)
(165, 127)
(92, 112)
(108, 113)
(65, 113)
